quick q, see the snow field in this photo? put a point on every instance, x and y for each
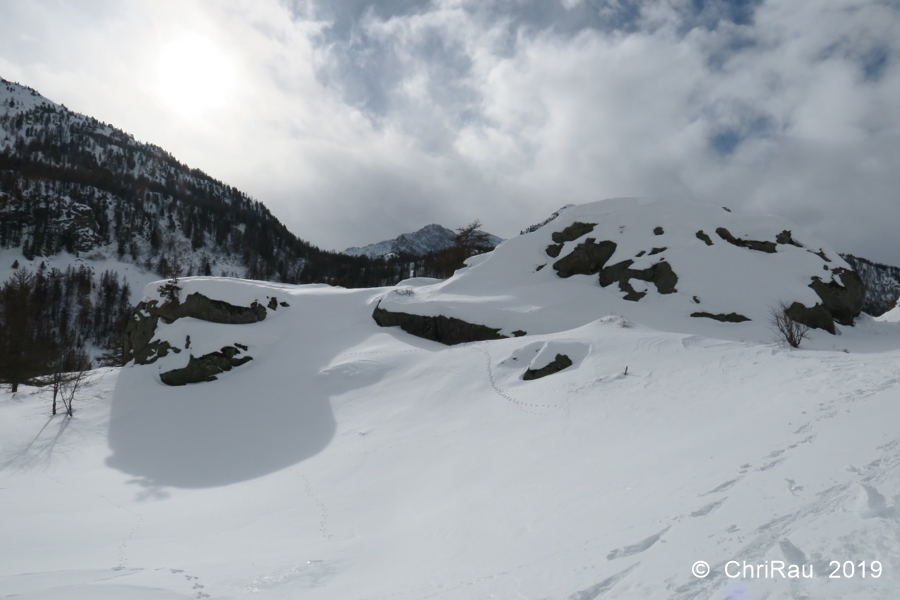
(351, 461)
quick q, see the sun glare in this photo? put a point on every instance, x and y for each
(194, 76)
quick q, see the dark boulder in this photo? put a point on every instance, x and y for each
(587, 258)
(660, 274)
(816, 317)
(445, 330)
(729, 318)
(206, 367)
(751, 244)
(844, 302)
(572, 232)
(559, 363)
(785, 238)
(704, 237)
(553, 250)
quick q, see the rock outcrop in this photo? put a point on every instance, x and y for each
(729, 318)
(587, 258)
(572, 232)
(446, 330)
(660, 274)
(142, 327)
(206, 367)
(559, 363)
(751, 244)
(844, 302)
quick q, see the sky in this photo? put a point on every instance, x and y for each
(355, 121)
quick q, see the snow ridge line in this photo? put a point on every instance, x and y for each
(519, 403)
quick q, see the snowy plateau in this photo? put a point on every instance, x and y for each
(348, 460)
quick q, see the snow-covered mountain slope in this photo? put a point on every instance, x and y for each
(70, 183)
(430, 238)
(347, 460)
(671, 266)
(882, 283)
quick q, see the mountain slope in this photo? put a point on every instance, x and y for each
(70, 184)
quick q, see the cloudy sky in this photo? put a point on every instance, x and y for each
(355, 121)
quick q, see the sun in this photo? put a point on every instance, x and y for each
(194, 76)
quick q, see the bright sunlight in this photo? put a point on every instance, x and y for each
(194, 76)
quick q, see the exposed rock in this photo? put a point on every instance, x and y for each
(704, 237)
(658, 231)
(206, 367)
(729, 318)
(142, 326)
(559, 363)
(518, 333)
(657, 251)
(640, 254)
(816, 317)
(841, 303)
(446, 330)
(660, 274)
(553, 250)
(844, 302)
(539, 267)
(785, 238)
(572, 232)
(587, 258)
(284, 303)
(273, 303)
(751, 244)
(821, 254)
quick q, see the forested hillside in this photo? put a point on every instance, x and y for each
(70, 183)
(882, 283)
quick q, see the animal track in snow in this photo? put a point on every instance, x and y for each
(323, 510)
(525, 406)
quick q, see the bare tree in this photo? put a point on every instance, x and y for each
(469, 240)
(71, 386)
(68, 370)
(785, 327)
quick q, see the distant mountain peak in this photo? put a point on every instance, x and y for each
(430, 238)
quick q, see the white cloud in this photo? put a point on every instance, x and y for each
(460, 110)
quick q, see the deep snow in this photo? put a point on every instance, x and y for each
(351, 461)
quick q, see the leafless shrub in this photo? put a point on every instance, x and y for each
(405, 291)
(786, 328)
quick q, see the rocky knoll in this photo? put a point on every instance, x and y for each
(667, 264)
